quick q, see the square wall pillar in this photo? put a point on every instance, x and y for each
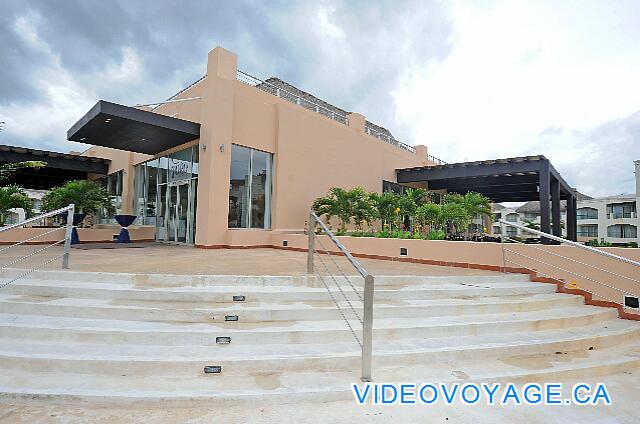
(216, 136)
(357, 122)
(555, 208)
(544, 192)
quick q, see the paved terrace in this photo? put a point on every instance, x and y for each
(160, 258)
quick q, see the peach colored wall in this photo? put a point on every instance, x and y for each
(315, 153)
(121, 160)
(189, 110)
(86, 235)
(311, 152)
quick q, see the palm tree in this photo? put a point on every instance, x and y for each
(362, 207)
(385, 205)
(11, 197)
(473, 203)
(429, 215)
(89, 197)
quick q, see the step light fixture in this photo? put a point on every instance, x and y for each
(213, 369)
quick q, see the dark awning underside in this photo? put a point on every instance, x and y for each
(126, 128)
(502, 180)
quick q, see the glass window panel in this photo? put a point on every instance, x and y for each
(163, 164)
(179, 165)
(196, 160)
(151, 193)
(161, 212)
(238, 187)
(260, 189)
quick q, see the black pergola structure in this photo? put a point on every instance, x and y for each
(518, 179)
(61, 167)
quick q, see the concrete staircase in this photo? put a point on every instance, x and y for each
(123, 337)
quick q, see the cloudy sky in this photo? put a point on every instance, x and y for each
(471, 80)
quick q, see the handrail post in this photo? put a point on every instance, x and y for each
(312, 242)
(367, 328)
(67, 237)
(502, 234)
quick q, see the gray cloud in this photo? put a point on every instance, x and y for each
(351, 54)
(599, 161)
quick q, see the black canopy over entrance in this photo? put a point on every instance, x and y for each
(61, 167)
(135, 130)
(505, 180)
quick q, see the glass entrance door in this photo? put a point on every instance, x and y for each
(178, 213)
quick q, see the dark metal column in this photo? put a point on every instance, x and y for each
(572, 219)
(555, 207)
(544, 190)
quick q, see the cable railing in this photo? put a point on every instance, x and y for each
(436, 160)
(65, 241)
(292, 97)
(369, 129)
(555, 262)
(341, 294)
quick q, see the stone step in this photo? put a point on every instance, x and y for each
(193, 312)
(176, 280)
(110, 332)
(222, 294)
(238, 359)
(292, 387)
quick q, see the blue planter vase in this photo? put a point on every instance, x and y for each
(77, 219)
(125, 221)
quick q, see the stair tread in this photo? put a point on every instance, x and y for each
(130, 352)
(37, 321)
(248, 306)
(491, 369)
(254, 288)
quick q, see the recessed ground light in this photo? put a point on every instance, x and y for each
(144, 139)
(403, 251)
(231, 317)
(107, 120)
(238, 298)
(213, 369)
(632, 302)
(83, 138)
(223, 340)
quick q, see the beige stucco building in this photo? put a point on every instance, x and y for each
(232, 159)
(612, 219)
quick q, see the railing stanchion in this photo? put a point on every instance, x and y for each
(67, 237)
(502, 236)
(367, 328)
(366, 318)
(312, 243)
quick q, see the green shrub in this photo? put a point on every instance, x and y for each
(436, 235)
(89, 197)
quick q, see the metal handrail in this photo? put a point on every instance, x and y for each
(436, 160)
(571, 243)
(36, 218)
(181, 91)
(505, 237)
(388, 138)
(66, 240)
(257, 82)
(367, 318)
